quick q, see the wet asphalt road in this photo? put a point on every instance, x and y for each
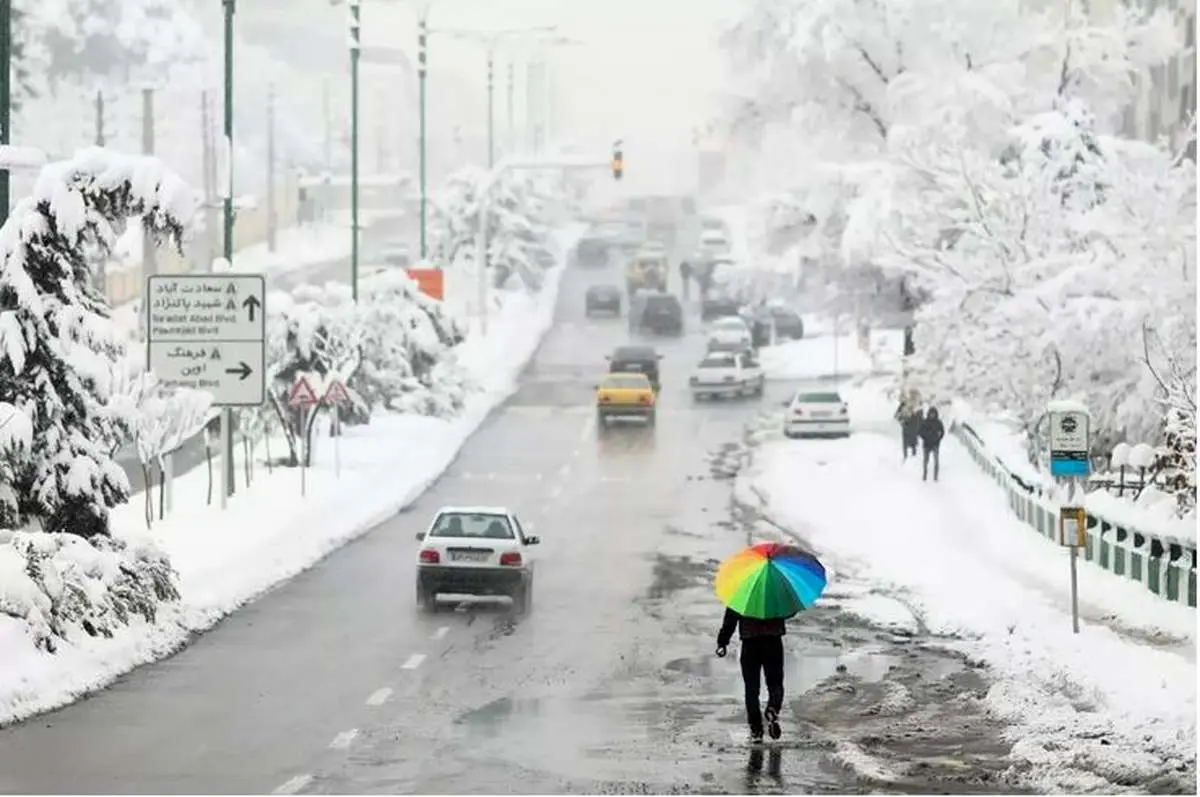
(192, 454)
(335, 683)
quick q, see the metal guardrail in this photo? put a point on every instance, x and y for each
(1165, 567)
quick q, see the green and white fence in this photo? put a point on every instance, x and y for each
(1165, 567)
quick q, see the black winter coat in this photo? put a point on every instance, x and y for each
(748, 628)
(932, 431)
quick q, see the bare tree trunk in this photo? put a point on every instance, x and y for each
(208, 462)
(162, 489)
(148, 479)
(267, 448)
(246, 462)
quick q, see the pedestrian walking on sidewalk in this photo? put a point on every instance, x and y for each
(910, 420)
(761, 659)
(932, 432)
(685, 277)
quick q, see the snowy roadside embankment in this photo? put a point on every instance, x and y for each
(269, 532)
(1120, 696)
(1152, 512)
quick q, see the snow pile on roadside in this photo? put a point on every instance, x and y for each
(269, 532)
(820, 357)
(1120, 695)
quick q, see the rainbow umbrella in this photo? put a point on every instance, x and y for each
(770, 580)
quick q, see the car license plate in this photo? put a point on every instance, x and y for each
(822, 414)
(468, 556)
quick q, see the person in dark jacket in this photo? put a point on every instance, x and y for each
(762, 659)
(932, 432)
(685, 276)
(910, 427)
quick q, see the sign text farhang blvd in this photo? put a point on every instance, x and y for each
(208, 332)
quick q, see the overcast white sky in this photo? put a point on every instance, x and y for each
(647, 71)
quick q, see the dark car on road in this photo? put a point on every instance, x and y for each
(635, 360)
(718, 305)
(592, 253)
(656, 312)
(602, 299)
(788, 323)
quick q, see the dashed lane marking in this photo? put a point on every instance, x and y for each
(379, 697)
(441, 632)
(344, 739)
(413, 662)
(294, 785)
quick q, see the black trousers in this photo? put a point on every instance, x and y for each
(762, 658)
(928, 452)
(910, 445)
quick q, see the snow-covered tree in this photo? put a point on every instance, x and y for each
(517, 227)
(393, 349)
(93, 38)
(57, 344)
(160, 420)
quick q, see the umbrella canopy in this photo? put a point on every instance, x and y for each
(770, 580)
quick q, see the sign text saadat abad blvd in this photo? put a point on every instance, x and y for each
(207, 332)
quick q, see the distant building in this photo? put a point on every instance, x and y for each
(1165, 97)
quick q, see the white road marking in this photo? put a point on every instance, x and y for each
(441, 632)
(414, 661)
(343, 739)
(379, 697)
(294, 785)
(589, 428)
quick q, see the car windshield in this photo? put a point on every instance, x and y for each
(626, 381)
(818, 398)
(718, 361)
(730, 324)
(484, 525)
(634, 354)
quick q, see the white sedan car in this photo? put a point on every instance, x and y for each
(730, 331)
(472, 550)
(813, 413)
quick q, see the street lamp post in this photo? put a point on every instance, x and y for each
(226, 413)
(491, 105)
(355, 54)
(6, 71)
(422, 70)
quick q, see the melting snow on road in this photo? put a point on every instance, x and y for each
(269, 533)
(1114, 705)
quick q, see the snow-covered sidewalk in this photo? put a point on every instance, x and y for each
(820, 355)
(1117, 701)
(269, 533)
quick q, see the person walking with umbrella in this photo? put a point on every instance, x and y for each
(761, 587)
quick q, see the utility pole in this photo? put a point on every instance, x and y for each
(511, 136)
(149, 250)
(272, 215)
(491, 119)
(6, 71)
(210, 179)
(226, 412)
(327, 115)
(99, 118)
(355, 52)
(422, 70)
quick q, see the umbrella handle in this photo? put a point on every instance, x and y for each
(721, 652)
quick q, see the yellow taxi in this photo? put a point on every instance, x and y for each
(624, 395)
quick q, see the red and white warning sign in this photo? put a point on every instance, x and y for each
(302, 394)
(336, 394)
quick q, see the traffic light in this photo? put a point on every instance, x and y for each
(618, 161)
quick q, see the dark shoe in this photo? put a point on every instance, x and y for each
(773, 728)
(756, 736)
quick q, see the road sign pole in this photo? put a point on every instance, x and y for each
(228, 474)
(355, 51)
(6, 73)
(207, 332)
(422, 43)
(304, 411)
(1070, 464)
